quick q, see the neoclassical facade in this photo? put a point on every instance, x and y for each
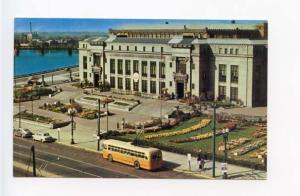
(225, 62)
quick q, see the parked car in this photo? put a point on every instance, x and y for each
(43, 137)
(25, 133)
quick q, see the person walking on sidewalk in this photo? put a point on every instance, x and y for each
(202, 163)
(199, 158)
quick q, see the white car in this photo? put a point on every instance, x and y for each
(43, 137)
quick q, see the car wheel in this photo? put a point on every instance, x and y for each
(136, 165)
(110, 158)
(42, 140)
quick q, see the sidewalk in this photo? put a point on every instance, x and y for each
(85, 137)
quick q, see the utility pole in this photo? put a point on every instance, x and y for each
(33, 161)
(98, 135)
(214, 143)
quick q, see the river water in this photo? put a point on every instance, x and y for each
(33, 61)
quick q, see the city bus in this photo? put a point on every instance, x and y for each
(138, 156)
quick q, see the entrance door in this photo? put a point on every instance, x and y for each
(96, 80)
(180, 90)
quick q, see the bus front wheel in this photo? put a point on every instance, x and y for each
(136, 165)
(110, 158)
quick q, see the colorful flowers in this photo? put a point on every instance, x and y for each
(201, 124)
(234, 143)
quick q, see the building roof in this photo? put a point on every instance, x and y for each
(189, 26)
(95, 40)
(140, 40)
(230, 41)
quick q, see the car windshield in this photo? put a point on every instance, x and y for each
(46, 134)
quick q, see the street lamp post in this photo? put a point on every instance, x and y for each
(72, 111)
(20, 112)
(98, 134)
(32, 107)
(225, 139)
(214, 142)
(106, 115)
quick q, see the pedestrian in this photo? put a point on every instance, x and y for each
(202, 163)
(199, 158)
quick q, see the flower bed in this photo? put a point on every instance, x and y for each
(198, 137)
(234, 143)
(201, 124)
(250, 147)
(81, 112)
(261, 132)
(260, 153)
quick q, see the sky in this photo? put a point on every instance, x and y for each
(99, 25)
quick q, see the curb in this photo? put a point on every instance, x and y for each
(194, 173)
(81, 148)
(34, 123)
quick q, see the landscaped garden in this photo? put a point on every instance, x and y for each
(80, 111)
(246, 145)
(38, 118)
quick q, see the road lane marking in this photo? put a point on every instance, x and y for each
(24, 167)
(64, 166)
(82, 162)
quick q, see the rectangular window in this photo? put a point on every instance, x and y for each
(162, 87)
(193, 86)
(162, 70)
(152, 87)
(85, 75)
(120, 66)
(127, 67)
(193, 66)
(234, 74)
(161, 49)
(236, 51)
(144, 68)
(136, 86)
(127, 83)
(135, 48)
(112, 66)
(170, 64)
(120, 83)
(112, 82)
(152, 69)
(84, 62)
(144, 48)
(225, 50)
(120, 48)
(127, 48)
(220, 50)
(222, 73)
(170, 83)
(144, 86)
(90, 59)
(135, 66)
(231, 50)
(152, 49)
(112, 47)
(233, 93)
(222, 92)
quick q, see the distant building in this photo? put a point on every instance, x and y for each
(223, 62)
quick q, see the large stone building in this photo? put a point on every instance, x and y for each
(223, 62)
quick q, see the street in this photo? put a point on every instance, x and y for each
(56, 160)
